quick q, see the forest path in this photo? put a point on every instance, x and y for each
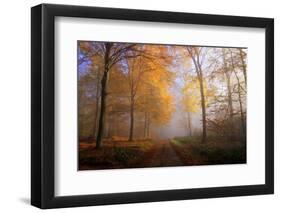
(163, 154)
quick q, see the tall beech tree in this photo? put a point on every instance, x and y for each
(112, 54)
(242, 55)
(195, 53)
(227, 71)
(135, 71)
(142, 71)
(235, 65)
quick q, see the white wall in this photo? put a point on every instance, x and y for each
(15, 105)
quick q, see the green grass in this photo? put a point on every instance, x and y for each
(221, 154)
(184, 140)
(224, 152)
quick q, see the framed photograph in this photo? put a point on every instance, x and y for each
(139, 106)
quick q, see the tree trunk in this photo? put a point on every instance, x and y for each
(203, 106)
(132, 105)
(229, 93)
(102, 111)
(241, 113)
(103, 96)
(243, 66)
(201, 84)
(97, 106)
(230, 102)
(230, 105)
(241, 108)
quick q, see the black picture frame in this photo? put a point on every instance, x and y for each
(43, 102)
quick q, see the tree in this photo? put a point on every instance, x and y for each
(242, 55)
(95, 73)
(135, 71)
(116, 105)
(195, 53)
(112, 54)
(155, 100)
(227, 74)
(239, 86)
(130, 90)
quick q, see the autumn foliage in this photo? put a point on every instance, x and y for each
(131, 94)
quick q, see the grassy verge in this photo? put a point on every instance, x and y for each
(193, 152)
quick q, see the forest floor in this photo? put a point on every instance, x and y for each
(128, 154)
(186, 151)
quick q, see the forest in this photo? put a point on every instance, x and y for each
(157, 105)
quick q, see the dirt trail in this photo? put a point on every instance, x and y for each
(163, 155)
